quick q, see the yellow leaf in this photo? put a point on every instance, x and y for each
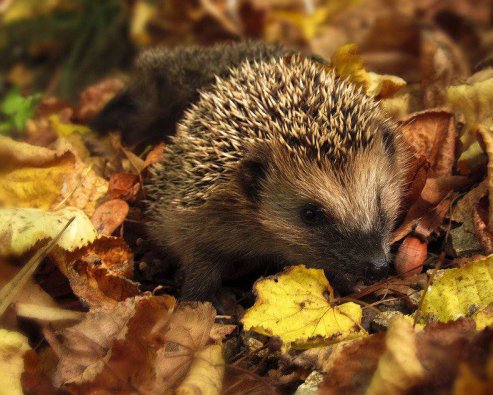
(143, 12)
(38, 177)
(31, 176)
(474, 100)
(472, 158)
(309, 24)
(21, 229)
(293, 306)
(13, 346)
(206, 372)
(65, 129)
(460, 292)
(349, 64)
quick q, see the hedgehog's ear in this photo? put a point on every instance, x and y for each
(252, 171)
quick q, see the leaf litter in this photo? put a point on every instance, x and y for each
(115, 326)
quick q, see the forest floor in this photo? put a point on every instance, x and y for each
(88, 306)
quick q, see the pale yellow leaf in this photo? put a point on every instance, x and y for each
(206, 373)
(21, 229)
(398, 367)
(13, 346)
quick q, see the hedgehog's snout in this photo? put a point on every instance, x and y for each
(378, 267)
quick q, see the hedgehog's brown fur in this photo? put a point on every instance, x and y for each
(258, 146)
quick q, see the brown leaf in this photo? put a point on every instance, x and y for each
(487, 137)
(441, 350)
(124, 186)
(442, 62)
(188, 332)
(87, 347)
(432, 134)
(109, 216)
(94, 98)
(154, 156)
(140, 345)
(357, 358)
(99, 273)
(40, 130)
(480, 222)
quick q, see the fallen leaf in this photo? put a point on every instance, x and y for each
(152, 347)
(440, 349)
(83, 188)
(86, 347)
(187, 333)
(432, 134)
(399, 367)
(99, 273)
(94, 98)
(155, 155)
(109, 216)
(13, 346)
(459, 292)
(64, 129)
(22, 228)
(206, 372)
(349, 64)
(474, 99)
(124, 186)
(25, 171)
(293, 306)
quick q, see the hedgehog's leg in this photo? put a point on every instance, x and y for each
(203, 277)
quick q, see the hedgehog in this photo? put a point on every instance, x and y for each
(278, 162)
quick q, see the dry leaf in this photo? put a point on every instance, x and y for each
(93, 99)
(13, 346)
(100, 272)
(187, 333)
(25, 169)
(399, 367)
(293, 306)
(432, 134)
(109, 216)
(459, 292)
(206, 373)
(349, 64)
(22, 228)
(124, 186)
(474, 99)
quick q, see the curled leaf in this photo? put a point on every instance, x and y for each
(349, 64)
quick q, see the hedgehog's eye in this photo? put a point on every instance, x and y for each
(311, 214)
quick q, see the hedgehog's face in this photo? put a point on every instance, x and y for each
(338, 220)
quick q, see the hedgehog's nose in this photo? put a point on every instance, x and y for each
(379, 267)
